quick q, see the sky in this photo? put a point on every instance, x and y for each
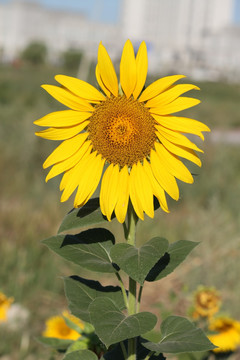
(237, 12)
(104, 10)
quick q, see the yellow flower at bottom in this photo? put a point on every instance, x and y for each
(56, 327)
(129, 132)
(5, 304)
(227, 337)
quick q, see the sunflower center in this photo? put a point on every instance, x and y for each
(122, 131)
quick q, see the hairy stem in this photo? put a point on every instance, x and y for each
(131, 239)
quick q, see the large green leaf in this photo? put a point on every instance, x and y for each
(81, 354)
(174, 256)
(90, 249)
(112, 326)
(89, 214)
(137, 262)
(81, 293)
(117, 354)
(180, 335)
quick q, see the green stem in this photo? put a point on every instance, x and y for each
(125, 355)
(139, 298)
(131, 239)
(125, 298)
(149, 355)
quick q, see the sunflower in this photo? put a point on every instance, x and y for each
(126, 132)
(206, 303)
(5, 304)
(227, 336)
(56, 327)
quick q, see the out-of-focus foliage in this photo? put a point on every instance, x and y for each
(71, 59)
(35, 53)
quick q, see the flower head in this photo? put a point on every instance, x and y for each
(5, 304)
(56, 327)
(206, 302)
(126, 130)
(227, 336)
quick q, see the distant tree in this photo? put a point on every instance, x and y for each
(35, 53)
(71, 59)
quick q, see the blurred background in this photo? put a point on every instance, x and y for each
(39, 39)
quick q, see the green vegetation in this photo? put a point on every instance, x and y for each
(71, 59)
(35, 53)
(30, 210)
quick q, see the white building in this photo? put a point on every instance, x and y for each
(194, 35)
(24, 21)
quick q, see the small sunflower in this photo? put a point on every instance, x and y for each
(5, 304)
(207, 302)
(56, 327)
(227, 336)
(126, 132)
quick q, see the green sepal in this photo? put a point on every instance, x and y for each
(179, 335)
(72, 325)
(141, 352)
(137, 262)
(89, 249)
(81, 293)
(174, 256)
(59, 344)
(88, 215)
(112, 326)
(81, 354)
(81, 344)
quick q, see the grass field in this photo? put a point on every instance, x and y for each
(30, 210)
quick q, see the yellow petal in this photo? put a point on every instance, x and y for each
(107, 71)
(169, 95)
(128, 69)
(67, 98)
(104, 189)
(182, 124)
(70, 179)
(63, 118)
(173, 164)
(90, 180)
(165, 179)
(69, 162)
(175, 137)
(66, 149)
(62, 133)
(157, 87)
(144, 190)
(179, 104)
(100, 82)
(134, 196)
(156, 187)
(181, 151)
(80, 88)
(112, 192)
(123, 195)
(142, 67)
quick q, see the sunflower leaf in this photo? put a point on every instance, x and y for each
(180, 335)
(81, 354)
(89, 214)
(137, 262)
(174, 256)
(81, 293)
(112, 326)
(90, 249)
